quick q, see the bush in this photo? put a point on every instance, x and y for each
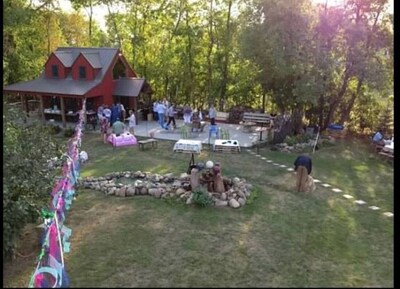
(300, 138)
(69, 132)
(27, 179)
(53, 129)
(201, 197)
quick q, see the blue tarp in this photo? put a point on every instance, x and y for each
(336, 126)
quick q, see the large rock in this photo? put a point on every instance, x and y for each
(223, 196)
(220, 203)
(241, 194)
(121, 192)
(153, 191)
(130, 191)
(180, 191)
(241, 201)
(158, 193)
(143, 191)
(233, 203)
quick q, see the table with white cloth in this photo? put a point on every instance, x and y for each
(389, 147)
(190, 147)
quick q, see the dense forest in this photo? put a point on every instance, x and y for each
(320, 63)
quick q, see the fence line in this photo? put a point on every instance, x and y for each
(50, 269)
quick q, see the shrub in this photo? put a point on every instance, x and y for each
(53, 129)
(69, 132)
(201, 197)
(27, 179)
(300, 138)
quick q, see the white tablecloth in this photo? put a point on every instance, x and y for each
(188, 146)
(389, 147)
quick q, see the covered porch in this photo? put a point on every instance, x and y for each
(59, 108)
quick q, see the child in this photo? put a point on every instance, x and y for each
(104, 126)
(132, 121)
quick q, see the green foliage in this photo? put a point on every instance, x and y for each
(201, 198)
(53, 129)
(254, 194)
(69, 132)
(27, 180)
(300, 138)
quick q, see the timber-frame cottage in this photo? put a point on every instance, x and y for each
(71, 74)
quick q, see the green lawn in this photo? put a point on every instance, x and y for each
(280, 239)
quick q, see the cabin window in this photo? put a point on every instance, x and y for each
(82, 72)
(54, 70)
(119, 70)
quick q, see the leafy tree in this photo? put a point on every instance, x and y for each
(27, 179)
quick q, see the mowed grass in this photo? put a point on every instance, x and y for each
(280, 239)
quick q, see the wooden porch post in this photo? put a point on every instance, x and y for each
(135, 103)
(26, 104)
(22, 102)
(63, 111)
(41, 107)
(84, 113)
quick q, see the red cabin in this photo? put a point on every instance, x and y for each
(71, 74)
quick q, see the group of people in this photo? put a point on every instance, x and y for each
(165, 113)
(112, 120)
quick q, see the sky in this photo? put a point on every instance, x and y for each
(101, 11)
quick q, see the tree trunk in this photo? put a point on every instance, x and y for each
(210, 96)
(225, 71)
(90, 22)
(114, 24)
(335, 101)
(189, 84)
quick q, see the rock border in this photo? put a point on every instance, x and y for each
(166, 186)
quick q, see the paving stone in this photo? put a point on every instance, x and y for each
(275, 164)
(348, 196)
(316, 181)
(290, 169)
(360, 202)
(282, 166)
(388, 214)
(263, 158)
(268, 161)
(326, 185)
(337, 190)
(374, 208)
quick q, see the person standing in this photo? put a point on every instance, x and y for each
(115, 113)
(107, 113)
(200, 114)
(171, 116)
(155, 114)
(166, 102)
(212, 113)
(100, 112)
(303, 168)
(132, 121)
(104, 126)
(122, 110)
(118, 127)
(161, 109)
(187, 114)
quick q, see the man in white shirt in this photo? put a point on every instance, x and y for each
(161, 109)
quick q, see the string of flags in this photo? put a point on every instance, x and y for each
(50, 269)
